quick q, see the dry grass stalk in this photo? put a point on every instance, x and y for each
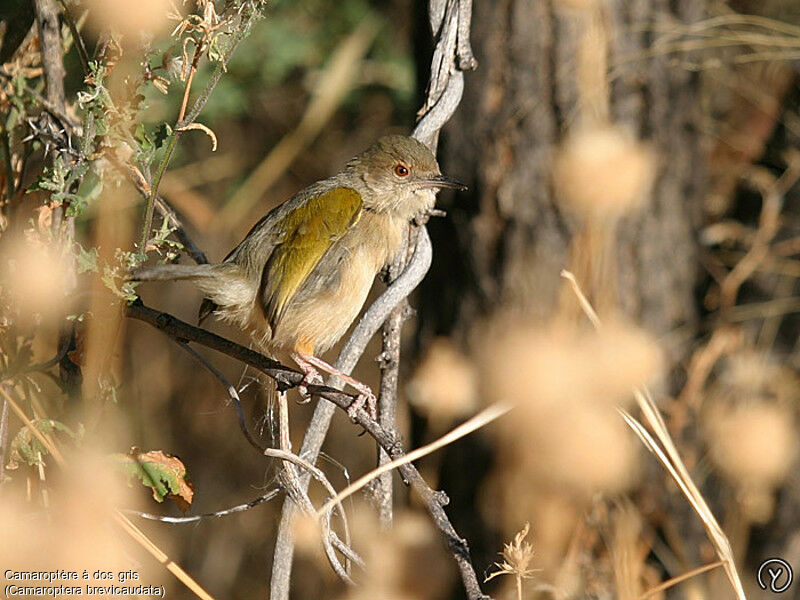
(664, 449)
(682, 577)
(483, 418)
(134, 532)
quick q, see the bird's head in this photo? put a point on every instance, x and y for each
(399, 175)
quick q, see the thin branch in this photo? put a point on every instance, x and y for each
(233, 395)
(151, 199)
(185, 120)
(192, 249)
(214, 515)
(444, 94)
(483, 418)
(222, 66)
(183, 333)
(80, 46)
(389, 360)
(180, 330)
(163, 208)
(52, 59)
(292, 485)
(290, 481)
(434, 501)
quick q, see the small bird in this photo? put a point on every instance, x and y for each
(302, 274)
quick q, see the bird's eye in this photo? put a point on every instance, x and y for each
(401, 170)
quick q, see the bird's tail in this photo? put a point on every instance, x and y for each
(173, 272)
(224, 285)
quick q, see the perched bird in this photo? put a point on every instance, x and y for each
(301, 275)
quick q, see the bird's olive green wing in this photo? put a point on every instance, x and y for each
(307, 233)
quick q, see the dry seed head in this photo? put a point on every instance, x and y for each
(129, 18)
(444, 386)
(581, 449)
(35, 277)
(539, 366)
(567, 384)
(753, 445)
(517, 556)
(406, 563)
(748, 375)
(602, 173)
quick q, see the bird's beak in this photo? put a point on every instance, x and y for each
(441, 181)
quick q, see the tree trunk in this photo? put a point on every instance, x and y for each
(506, 242)
(548, 69)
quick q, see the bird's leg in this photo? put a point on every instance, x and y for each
(365, 395)
(311, 375)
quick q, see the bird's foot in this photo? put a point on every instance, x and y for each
(310, 377)
(365, 398)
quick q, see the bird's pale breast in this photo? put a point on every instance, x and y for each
(321, 313)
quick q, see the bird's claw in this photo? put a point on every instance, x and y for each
(311, 377)
(365, 398)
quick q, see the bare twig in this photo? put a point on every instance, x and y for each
(239, 34)
(286, 378)
(484, 417)
(233, 395)
(163, 208)
(185, 120)
(444, 94)
(284, 455)
(389, 360)
(80, 46)
(290, 481)
(434, 501)
(772, 202)
(214, 515)
(180, 330)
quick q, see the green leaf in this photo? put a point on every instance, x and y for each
(163, 473)
(27, 448)
(86, 260)
(162, 133)
(90, 188)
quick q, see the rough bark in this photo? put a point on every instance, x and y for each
(506, 241)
